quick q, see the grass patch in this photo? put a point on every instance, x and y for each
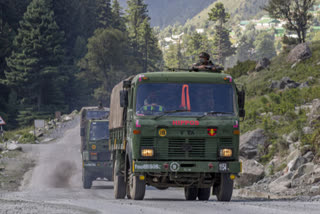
(21, 135)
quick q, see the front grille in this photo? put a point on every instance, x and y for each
(147, 142)
(104, 156)
(226, 140)
(186, 148)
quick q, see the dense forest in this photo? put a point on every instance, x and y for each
(58, 55)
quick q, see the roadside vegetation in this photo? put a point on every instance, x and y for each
(277, 111)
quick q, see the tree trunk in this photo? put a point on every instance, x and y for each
(39, 99)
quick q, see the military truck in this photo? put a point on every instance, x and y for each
(176, 129)
(90, 113)
(96, 155)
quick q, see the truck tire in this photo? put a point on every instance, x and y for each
(204, 194)
(119, 186)
(86, 179)
(225, 188)
(137, 187)
(190, 193)
(110, 177)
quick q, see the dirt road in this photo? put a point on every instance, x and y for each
(54, 186)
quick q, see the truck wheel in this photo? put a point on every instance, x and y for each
(137, 187)
(204, 194)
(110, 177)
(190, 193)
(225, 188)
(128, 181)
(86, 179)
(119, 186)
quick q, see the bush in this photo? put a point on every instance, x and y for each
(242, 68)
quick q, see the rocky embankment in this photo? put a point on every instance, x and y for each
(292, 172)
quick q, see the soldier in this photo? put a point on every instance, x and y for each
(205, 63)
(151, 104)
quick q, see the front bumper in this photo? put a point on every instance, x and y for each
(97, 164)
(187, 166)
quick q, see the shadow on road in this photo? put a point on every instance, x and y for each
(102, 187)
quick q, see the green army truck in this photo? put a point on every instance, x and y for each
(176, 129)
(90, 113)
(96, 155)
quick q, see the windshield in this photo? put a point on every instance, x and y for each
(96, 114)
(99, 131)
(195, 98)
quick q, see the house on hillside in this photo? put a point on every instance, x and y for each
(200, 30)
(267, 24)
(243, 24)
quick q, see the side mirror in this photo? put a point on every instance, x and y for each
(241, 99)
(126, 84)
(241, 103)
(123, 99)
(82, 132)
(242, 113)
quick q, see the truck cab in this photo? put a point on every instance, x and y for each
(90, 113)
(176, 129)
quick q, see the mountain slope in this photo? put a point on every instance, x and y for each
(239, 9)
(169, 12)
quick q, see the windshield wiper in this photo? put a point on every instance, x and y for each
(173, 111)
(213, 113)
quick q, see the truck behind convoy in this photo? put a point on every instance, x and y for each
(176, 129)
(90, 113)
(96, 155)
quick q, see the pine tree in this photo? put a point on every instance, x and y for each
(136, 14)
(264, 46)
(222, 44)
(104, 61)
(104, 14)
(118, 22)
(143, 41)
(33, 65)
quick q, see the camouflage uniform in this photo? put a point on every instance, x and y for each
(209, 64)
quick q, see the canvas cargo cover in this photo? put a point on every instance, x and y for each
(116, 112)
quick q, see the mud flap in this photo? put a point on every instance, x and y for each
(120, 163)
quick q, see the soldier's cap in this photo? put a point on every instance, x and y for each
(204, 55)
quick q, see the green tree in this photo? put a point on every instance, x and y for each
(173, 57)
(103, 64)
(136, 14)
(34, 63)
(104, 14)
(219, 15)
(143, 42)
(245, 50)
(222, 44)
(295, 12)
(117, 14)
(264, 45)
(148, 44)
(195, 44)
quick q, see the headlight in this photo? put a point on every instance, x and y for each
(226, 153)
(147, 152)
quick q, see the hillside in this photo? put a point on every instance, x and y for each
(169, 12)
(283, 120)
(240, 10)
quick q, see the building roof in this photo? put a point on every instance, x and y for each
(245, 22)
(264, 21)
